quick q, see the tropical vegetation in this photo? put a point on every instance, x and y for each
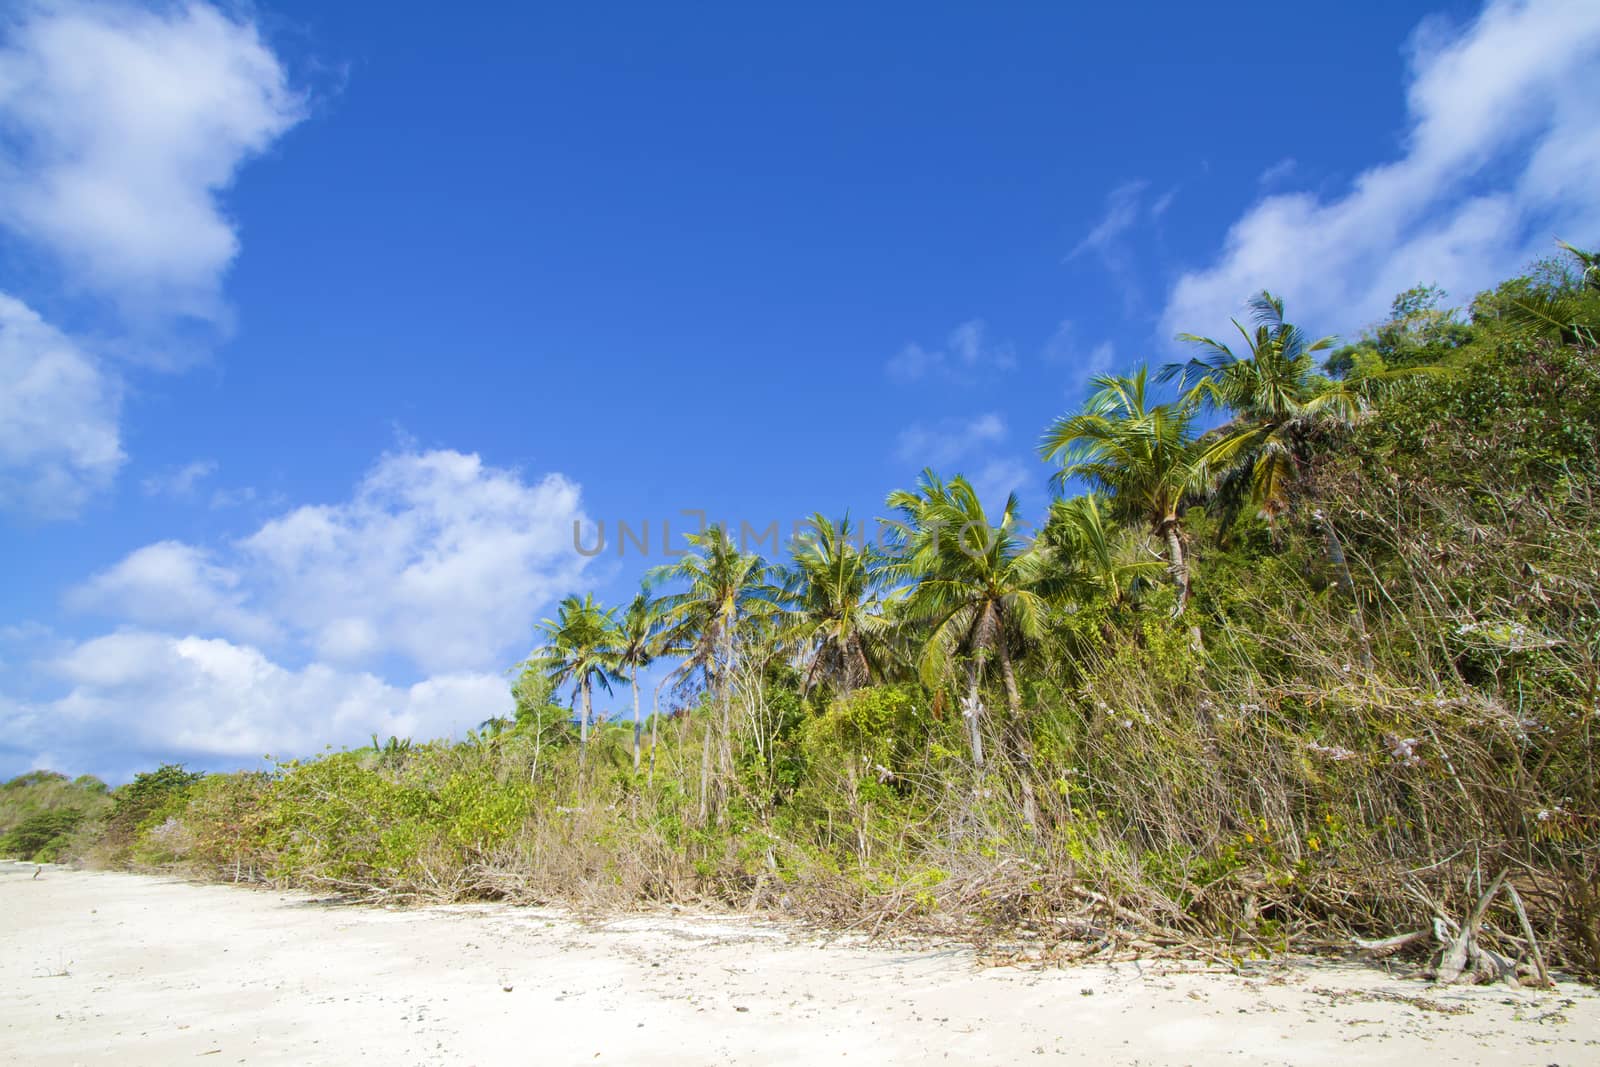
(1305, 653)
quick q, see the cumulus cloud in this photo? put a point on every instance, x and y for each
(136, 698)
(437, 558)
(965, 352)
(123, 124)
(1501, 151)
(120, 127)
(59, 441)
(434, 570)
(171, 583)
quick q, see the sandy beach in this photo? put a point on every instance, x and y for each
(101, 967)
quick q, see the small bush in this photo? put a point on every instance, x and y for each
(148, 800)
(42, 838)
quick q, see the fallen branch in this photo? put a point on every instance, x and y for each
(1459, 953)
(1388, 946)
(1533, 943)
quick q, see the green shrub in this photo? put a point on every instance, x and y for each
(41, 837)
(46, 803)
(147, 801)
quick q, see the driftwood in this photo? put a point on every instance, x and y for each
(1458, 954)
(1152, 935)
(1460, 957)
(1388, 946)
(1539, 968)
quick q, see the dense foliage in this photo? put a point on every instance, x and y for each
(1320, 671)
(42, 811)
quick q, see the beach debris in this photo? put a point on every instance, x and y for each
(1461, 958)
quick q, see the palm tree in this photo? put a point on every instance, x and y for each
(977, 585)
(1092, 554)
(831, 605)
(578, 650)
(675, 676)
(723, 591)
(634, 645)
(1570, 314)
(1141, 454)
(1276, 398)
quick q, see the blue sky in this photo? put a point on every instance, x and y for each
(321, 324)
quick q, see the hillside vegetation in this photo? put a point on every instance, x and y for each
(1306, 651)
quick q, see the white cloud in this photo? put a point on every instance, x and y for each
(970, 446)
(437, 558)
(1001, 477)
(136, 698)
(1122, 212)
(1101, 358)
(1064, 348)
(119, 127)
(223, 499)
(180, 482)
(967, 351)
(122, 124)
(1108, 239)
(171, 583)
(1501, 153)
(912, 362)
(435, 569)
(59, 442)
(947, 441)
(23, 644)
(1277, 172)
(971, 348)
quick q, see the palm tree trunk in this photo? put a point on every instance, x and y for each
(1347, 584)
(725, 748)
(971, 710)
(1176, 563)
(638, 726)
(655, 726)
(810, 676)
(1341, 565)
(713, 685)
(1009, 677)
(583, 725)
(705, 771)
(1022, 762)
(538, 745)
(859, 670)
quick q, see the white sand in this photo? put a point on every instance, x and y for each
(113, 967)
